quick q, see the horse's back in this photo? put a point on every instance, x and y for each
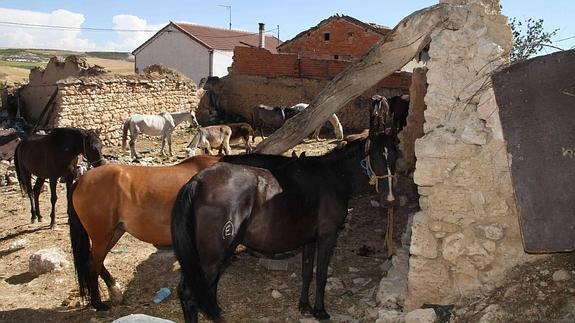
(139, 197)
(234, 193)
(48, 156)
(149, 124)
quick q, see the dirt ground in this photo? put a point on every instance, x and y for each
(528, 294)
(245, 290)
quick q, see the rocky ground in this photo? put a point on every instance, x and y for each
(250, 291)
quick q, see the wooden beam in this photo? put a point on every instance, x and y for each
(399, 47)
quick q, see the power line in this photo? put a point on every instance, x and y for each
(24, 25)
(68, 28)
(560, 40)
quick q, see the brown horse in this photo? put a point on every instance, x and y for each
(53, 156)
(110, 200)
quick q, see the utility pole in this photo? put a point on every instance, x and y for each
(229, 8)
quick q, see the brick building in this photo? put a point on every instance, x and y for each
(337, 37)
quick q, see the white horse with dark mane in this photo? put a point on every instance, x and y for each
(162, 124)
(333, 120)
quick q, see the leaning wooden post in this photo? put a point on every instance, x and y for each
(399, 47)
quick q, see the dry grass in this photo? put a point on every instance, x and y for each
(115, 66)
(11, 73)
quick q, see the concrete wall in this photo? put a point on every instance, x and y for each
(105, 102)
(176, 50)
(467, 234)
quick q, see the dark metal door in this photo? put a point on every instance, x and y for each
(536, 101)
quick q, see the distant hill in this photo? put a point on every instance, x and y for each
(16, 63)
(112, 55)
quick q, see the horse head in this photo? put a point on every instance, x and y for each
(92, 148)
(379, 114)
(379, 164)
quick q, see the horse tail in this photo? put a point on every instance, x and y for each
(251, 134)
(186, 251)
(125, 133)
(337, 128)
(19, 171)
(80, 246)
(194, 143)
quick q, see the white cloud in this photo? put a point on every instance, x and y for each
(13, 36)
(36, 37)
(128, 41)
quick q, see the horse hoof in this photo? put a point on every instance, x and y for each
(102, 309)
(116, 297)
(305, 309)
(321, 315)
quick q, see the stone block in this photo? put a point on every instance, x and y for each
(423, 243)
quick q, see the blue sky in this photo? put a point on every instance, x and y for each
(292, 16)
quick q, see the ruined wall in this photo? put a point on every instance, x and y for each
(238, 94)
(105, 102)
(467, 234)
(42, 83)
(415, 118)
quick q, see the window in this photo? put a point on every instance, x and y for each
(326, 36)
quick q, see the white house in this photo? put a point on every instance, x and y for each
(198, 51)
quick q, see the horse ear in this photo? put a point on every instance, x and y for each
(302, 155)
(293, 154)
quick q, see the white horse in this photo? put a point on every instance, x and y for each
(333, 120)
(162, 124)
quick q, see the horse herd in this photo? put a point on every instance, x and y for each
(205, 206)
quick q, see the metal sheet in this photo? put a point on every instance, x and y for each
(536, 102)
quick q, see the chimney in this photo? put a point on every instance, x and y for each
(262, 43)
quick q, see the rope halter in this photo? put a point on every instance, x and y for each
(368, 170)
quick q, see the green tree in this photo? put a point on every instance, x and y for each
(530, 38)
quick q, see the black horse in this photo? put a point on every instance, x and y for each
(287, 204)
(390, 114)
(53, 156)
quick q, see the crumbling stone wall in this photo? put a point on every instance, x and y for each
(467, 234)
(415, 118)
(105, 102)
(42, 83)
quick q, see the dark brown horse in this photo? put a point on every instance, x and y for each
(110, 200)
(273, 208)
(50, 157)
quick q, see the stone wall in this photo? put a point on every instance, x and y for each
(467, 234)
(42, 83)
(238, 94)
(415, 118)
(105, 102)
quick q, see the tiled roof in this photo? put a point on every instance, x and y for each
(225, 39)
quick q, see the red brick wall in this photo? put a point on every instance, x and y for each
(347, 40)
(260, 62)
